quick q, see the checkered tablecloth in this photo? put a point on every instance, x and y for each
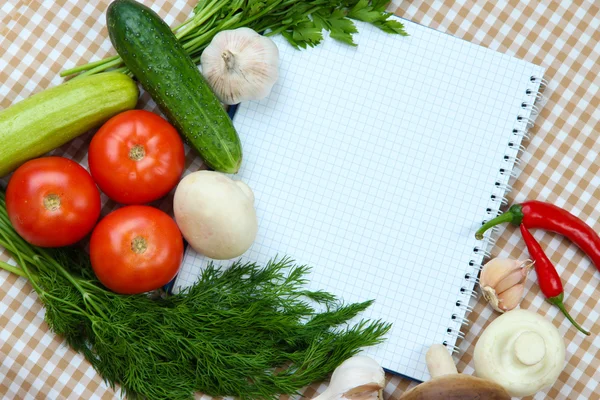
(39, 38)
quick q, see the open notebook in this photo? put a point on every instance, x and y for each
(375, 165)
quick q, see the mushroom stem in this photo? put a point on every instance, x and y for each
(439, 361)
(530, 348)
(447, 384)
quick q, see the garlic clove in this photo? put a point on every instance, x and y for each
(369, 391)
(240, 65)
(510, 298)
(502, 282)
(497, 269)
(357, 378)
(511, 280)
(489, 294)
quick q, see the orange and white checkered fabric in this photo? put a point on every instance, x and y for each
(39, 38)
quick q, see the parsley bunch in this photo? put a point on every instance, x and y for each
(245, 331)
(301, 22)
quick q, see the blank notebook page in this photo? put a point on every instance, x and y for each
(375, 165)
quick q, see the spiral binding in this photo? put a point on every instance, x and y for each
(531, 105)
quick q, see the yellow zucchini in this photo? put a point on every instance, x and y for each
(51, 118)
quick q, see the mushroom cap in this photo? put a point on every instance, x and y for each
(215, 214)
(520, 350)
(457, 387)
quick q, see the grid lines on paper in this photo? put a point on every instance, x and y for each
(374, 165)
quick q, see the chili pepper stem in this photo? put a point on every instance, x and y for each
(500, 219)
(558, 302)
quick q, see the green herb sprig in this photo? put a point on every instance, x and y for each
(301, 22)
(245, 331)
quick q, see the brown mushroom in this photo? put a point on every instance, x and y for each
(447, 384)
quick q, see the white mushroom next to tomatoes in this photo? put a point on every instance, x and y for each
(215, 214)
(521, 351)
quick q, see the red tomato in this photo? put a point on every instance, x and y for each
(136, 249)
(136, 157)
(52, 202)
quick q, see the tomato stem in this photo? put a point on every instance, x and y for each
(137, 152)
(139, 245)
(52, 202)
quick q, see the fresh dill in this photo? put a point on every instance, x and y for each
(246, 331)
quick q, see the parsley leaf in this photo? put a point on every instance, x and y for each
(306, 34)
(363, 12)
(391, 26)
(341, 28)
(380, 5)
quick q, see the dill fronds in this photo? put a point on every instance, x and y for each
(246, 331)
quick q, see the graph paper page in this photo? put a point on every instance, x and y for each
(375, 165)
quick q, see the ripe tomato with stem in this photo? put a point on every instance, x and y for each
(136, 157)
(136, 249)
(52, 202)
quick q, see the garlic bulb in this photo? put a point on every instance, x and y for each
(357, 378)
(521, 351)
(240, 65)
(502, 282)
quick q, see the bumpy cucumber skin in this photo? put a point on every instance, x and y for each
(153, 54)
(53, 117)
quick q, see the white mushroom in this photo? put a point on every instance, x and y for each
(521, 351)
(215, 214)
(447, 384)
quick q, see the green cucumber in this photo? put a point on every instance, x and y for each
(51, 118)
(152, 53)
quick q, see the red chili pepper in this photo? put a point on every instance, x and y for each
(548, 279)
(537, 214)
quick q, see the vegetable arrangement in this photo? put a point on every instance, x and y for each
(53, 117)
(537, 214)
(222, 336)
(301, 22)
(169, 75)
(245, 331)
